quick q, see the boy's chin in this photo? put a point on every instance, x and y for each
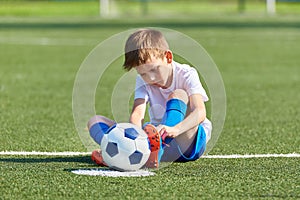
(160, 86)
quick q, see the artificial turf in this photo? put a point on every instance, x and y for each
(259, 62)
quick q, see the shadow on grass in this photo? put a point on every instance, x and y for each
(79, 159)
(86, 168)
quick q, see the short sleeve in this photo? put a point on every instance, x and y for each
(193, 84)
(140, 89)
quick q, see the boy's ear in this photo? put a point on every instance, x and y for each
(169, 56)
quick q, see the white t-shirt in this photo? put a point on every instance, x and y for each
(184, 77)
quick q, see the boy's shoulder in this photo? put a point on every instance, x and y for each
(183, 68)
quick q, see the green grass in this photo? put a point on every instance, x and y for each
(49, 178)
(133, 8)
(259, 62)
(48, 8)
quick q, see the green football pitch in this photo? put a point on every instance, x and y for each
(258, 59)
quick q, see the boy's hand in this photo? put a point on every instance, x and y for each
(167, 131)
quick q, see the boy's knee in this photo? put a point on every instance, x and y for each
(95, 119)
(179, 94)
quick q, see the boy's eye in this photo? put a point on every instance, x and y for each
(154, 69)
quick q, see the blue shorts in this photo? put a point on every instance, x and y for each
(174, 153)
(175, 113)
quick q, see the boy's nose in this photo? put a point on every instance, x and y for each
(152, 78)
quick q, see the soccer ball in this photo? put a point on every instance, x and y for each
(125, 147)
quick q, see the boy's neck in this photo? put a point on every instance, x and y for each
(170, 77)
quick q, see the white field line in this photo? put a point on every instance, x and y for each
(290, 155)
(36, 153)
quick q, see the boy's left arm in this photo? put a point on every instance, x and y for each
(196, 116)
(138, 112)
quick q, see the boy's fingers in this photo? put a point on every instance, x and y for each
(162, 130)
(159, 128)
(164, 135)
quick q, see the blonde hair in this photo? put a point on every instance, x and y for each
(143, 44)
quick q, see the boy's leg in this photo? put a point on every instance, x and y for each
(98, 126)
(197, 148)
(175, 109)
(177, 101)
(175, 112)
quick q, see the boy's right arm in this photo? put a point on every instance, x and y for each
(138, 112)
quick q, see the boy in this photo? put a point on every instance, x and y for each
(178, 128)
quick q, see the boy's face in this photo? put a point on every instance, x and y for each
(157, 71)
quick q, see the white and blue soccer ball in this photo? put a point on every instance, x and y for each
(125, 147)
